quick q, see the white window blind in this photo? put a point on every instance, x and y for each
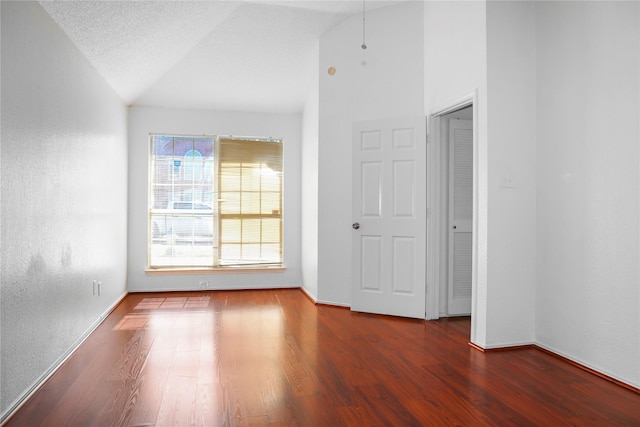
(215, 201)
(250, 183)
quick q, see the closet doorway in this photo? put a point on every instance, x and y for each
(451, 231)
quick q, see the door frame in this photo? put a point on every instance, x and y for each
(435, 220)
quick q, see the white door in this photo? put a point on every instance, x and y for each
(389, 217)
(460, 216)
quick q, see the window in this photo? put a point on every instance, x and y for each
(215, 201)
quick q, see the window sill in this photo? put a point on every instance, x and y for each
(215, 270)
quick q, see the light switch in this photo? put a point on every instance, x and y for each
(507, 181)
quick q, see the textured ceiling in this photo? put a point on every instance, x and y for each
(234, 55)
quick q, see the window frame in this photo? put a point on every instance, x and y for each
(218, 262)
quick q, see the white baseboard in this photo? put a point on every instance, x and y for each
(22, 399)
(589, 367)
(509, 344)
(213, 288)
(337, 304)
(309, 295)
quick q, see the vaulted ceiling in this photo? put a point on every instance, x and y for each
(231, 55)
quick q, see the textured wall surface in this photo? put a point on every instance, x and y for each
(309, 196)
(63, 187)
(588, 111)
(511, 219)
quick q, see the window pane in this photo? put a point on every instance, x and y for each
(231, 231)
(208, 170)
(270, 180)
(250, 178)
(260, 196)
(272, 252)
(230, 203)
(192, 165)
(180, 249)
(182, 216)
(251, 231)
(230, 177)
(270, 203)
(270, 230)
(231, 252)
(251, 252)
(250, 203)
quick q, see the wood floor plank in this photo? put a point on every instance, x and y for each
(178, 402)
(209, 404)
(153, 380)
(272, 358)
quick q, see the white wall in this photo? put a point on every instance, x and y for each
(142, 122)
(386, 80)
(511, 245)
(558, 113)
(455, 65)
(454, 51)
(64, 197)
(309, 196)
(588, 113)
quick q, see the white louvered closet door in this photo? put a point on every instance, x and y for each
(460, 216)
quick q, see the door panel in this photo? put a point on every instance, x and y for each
(404, 191)
(371, 189)
(371, 253)
(404, 249)
(389, 207)
(460, 216)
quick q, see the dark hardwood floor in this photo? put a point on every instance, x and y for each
(259, 358)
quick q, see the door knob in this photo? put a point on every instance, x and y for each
(454, 227)
(355, 225)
